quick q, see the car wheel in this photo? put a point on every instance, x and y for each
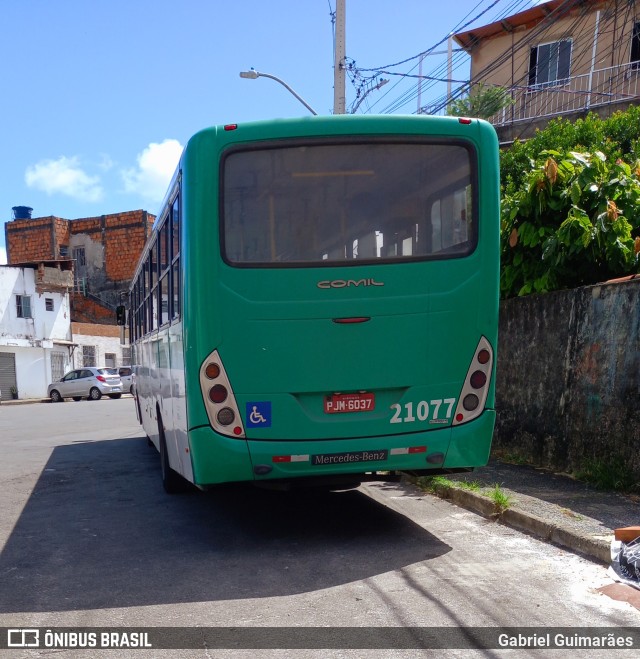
(115, 396)
(95, 393)
(131, 389)
(172, 482)
(77, 398)
(55, 396)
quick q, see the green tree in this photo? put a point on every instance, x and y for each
(574, 220)
(482, 101)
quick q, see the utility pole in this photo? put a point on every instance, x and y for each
(339, 72)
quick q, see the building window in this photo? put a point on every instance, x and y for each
(23, 306)
(635, 46)
(48, 303)
(110, 359)
(126, 355)
(64, 251)
(89, 356)
(79, 256)
(550, 63)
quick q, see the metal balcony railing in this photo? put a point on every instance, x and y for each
(615, 84)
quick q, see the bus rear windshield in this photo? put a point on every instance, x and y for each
(339, 203)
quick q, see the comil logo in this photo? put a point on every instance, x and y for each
(23, 638)
(346, 283)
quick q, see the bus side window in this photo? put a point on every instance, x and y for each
(174, 292)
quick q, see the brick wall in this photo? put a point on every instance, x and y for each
(113, 245)
(84, 310)
(125, 237)
(30, 240)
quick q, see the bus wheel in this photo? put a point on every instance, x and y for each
(172, 482)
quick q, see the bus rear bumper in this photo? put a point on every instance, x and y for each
(224, 460)
(471, 442)
(457, 447)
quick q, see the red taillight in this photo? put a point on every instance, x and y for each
(229, 127)
(100, 378)
(350, 321)
(475, 390)
(464, 120)
(219, 399)
(478, 379)
(484, 356)
(218, 394)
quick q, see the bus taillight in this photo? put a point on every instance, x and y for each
(218, 394)
(476, 384)
(219, 399)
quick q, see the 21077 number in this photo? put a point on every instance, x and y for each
(423, 411)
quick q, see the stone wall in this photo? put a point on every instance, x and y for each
(568, 381)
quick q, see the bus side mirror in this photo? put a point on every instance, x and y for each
(121, 315)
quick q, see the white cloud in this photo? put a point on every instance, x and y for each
(64, 176)
(3, 255)
(156, 165)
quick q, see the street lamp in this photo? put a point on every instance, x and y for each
(253, 74)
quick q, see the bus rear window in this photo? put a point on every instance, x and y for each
(332, 204)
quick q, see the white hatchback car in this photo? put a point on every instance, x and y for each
(126, 375)
(87, 382)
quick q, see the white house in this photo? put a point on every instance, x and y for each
(100, 345)
(35, 326)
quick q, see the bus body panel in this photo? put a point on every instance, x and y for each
(275, 328)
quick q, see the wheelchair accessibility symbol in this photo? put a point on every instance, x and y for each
(259, 415)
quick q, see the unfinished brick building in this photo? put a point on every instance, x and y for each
(105, 250)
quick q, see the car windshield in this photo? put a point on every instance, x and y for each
(108, 371)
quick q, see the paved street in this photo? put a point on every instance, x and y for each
(89, 538)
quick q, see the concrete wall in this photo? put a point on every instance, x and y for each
(104, 338)
(33, 340)
(568, 381)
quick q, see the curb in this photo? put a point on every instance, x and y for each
(598, 549)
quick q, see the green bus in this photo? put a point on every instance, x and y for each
(318, 303)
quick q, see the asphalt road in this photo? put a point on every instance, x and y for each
(90, 539)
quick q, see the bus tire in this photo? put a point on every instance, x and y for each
(172, 482)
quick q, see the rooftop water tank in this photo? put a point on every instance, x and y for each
(22, 212)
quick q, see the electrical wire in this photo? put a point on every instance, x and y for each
(433, 77)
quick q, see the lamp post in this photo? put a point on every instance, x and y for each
(253, 74)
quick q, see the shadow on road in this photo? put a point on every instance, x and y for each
(99, 532)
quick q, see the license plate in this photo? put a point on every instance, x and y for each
(343, 403)
(116, 388)
(348, 458)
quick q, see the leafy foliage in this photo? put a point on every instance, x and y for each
(575, 221)
(483, 101)
(618, 136)
(571, 205)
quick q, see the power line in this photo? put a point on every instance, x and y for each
(433, 77)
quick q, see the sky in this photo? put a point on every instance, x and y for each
(99, 97)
